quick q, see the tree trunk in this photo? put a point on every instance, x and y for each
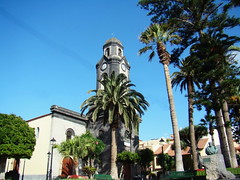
(191, 124)
(234, 163)
(178, 152)
(222, 137)
(220, 125)
(114, 170)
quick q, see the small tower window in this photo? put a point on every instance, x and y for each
(69, 133)
(107, 52)
(119, 52)
(37, 131)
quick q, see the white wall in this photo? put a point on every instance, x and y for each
(38, 162)
(59, 133)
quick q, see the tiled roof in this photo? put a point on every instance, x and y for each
(159, 150)
(167, 149)
(202, 143)
(184, 151)
(237, 148)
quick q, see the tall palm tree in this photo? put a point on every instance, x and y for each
(185, 79)
(155, 38)
(118, 103)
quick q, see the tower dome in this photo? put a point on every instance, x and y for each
(113, 60)
(113, 49)
(113, 40)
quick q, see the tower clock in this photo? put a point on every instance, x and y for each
(113, 60)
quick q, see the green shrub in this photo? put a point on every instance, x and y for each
(89, 170)
(127, 157)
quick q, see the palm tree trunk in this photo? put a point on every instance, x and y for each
(178, 152)
(191, 124)
(234, 163)
(114, 170)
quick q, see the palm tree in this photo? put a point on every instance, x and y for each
(67, 148)
(88, 147)
(185, 78)
(155, 37)
(118, 103)
(84, 147)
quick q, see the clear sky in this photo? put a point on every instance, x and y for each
(49, 49)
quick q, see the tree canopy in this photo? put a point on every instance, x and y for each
(200, 131)
(146, 157)
(17, 139)
(117, 101)
(190, 18)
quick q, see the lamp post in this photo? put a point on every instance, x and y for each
(48, 164)
(163, 164)
(52, 142)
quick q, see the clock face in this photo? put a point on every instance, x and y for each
(104, 66)
(123, 67)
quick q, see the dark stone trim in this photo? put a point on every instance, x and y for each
(67, 112)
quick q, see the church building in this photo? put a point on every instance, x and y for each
(62, 124)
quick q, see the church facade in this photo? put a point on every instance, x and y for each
(62, 124)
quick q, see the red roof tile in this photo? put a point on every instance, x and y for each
(202, 143)
(159, 150)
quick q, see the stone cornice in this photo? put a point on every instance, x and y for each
(67, 112)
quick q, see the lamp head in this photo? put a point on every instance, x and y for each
(53, 141)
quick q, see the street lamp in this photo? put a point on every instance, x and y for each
(48, 164)
(52, 142)
(163, 164)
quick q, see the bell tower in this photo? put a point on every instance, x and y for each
(113, 60)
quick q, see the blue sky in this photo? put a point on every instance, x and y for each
(48, 53)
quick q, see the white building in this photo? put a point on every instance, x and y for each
(60, 124)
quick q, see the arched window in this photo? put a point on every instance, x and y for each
(107, 52)
(37, 131)
(69, 133)
(119, 52)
